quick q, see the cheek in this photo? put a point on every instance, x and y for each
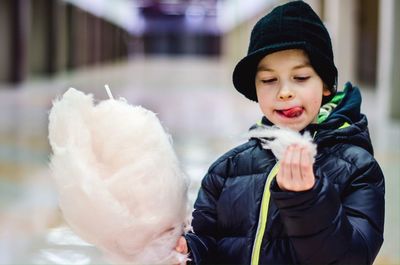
(260, 96)
(315, 95)
(316, 104)
(264, 94)
(264, 104)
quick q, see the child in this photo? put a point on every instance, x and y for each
(249, 211)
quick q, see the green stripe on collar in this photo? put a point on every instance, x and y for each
(327, 108)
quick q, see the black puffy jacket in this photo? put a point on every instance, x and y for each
(339, 221)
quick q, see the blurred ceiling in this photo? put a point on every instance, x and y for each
(141, 16)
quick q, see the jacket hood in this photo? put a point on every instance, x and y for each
(339, 121)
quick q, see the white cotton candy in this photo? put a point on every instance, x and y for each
(119, 181)
(278, 140)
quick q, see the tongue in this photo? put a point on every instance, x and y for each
(293, 112)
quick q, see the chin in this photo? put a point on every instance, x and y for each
(295, 126)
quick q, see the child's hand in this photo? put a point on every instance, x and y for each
(296, 170)
(181, 245)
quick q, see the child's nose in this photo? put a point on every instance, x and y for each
(285, 93)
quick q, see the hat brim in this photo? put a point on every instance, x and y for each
(245, 71)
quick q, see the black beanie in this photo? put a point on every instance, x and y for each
(290, 26)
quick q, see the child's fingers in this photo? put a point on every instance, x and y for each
(284, 177)
(287, 163)
(306, 168)
(295, 173)
(280, 177)
(295, 168)
(181, 246)
(296, 182)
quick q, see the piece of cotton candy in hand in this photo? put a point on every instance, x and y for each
(278, 140)
(119, 181)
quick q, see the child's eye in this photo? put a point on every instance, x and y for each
(301, 78)
(268, 81)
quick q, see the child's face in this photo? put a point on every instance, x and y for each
(289, 91)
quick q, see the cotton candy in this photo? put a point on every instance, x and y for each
(278, 139)
(119, 181)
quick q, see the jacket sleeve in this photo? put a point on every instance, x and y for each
(202, 242)
(326, 227)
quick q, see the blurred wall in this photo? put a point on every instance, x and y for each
(13, 32)
(340, 18)
(395, 71)
(235, 42)
(43, 37)
(5, 41)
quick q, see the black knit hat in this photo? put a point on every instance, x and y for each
(290, 26)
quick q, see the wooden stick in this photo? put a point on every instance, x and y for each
(109, 92)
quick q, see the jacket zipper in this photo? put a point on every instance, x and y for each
(262, 220)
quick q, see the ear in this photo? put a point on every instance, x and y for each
(326, 92)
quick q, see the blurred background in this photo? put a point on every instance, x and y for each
(174, 57)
